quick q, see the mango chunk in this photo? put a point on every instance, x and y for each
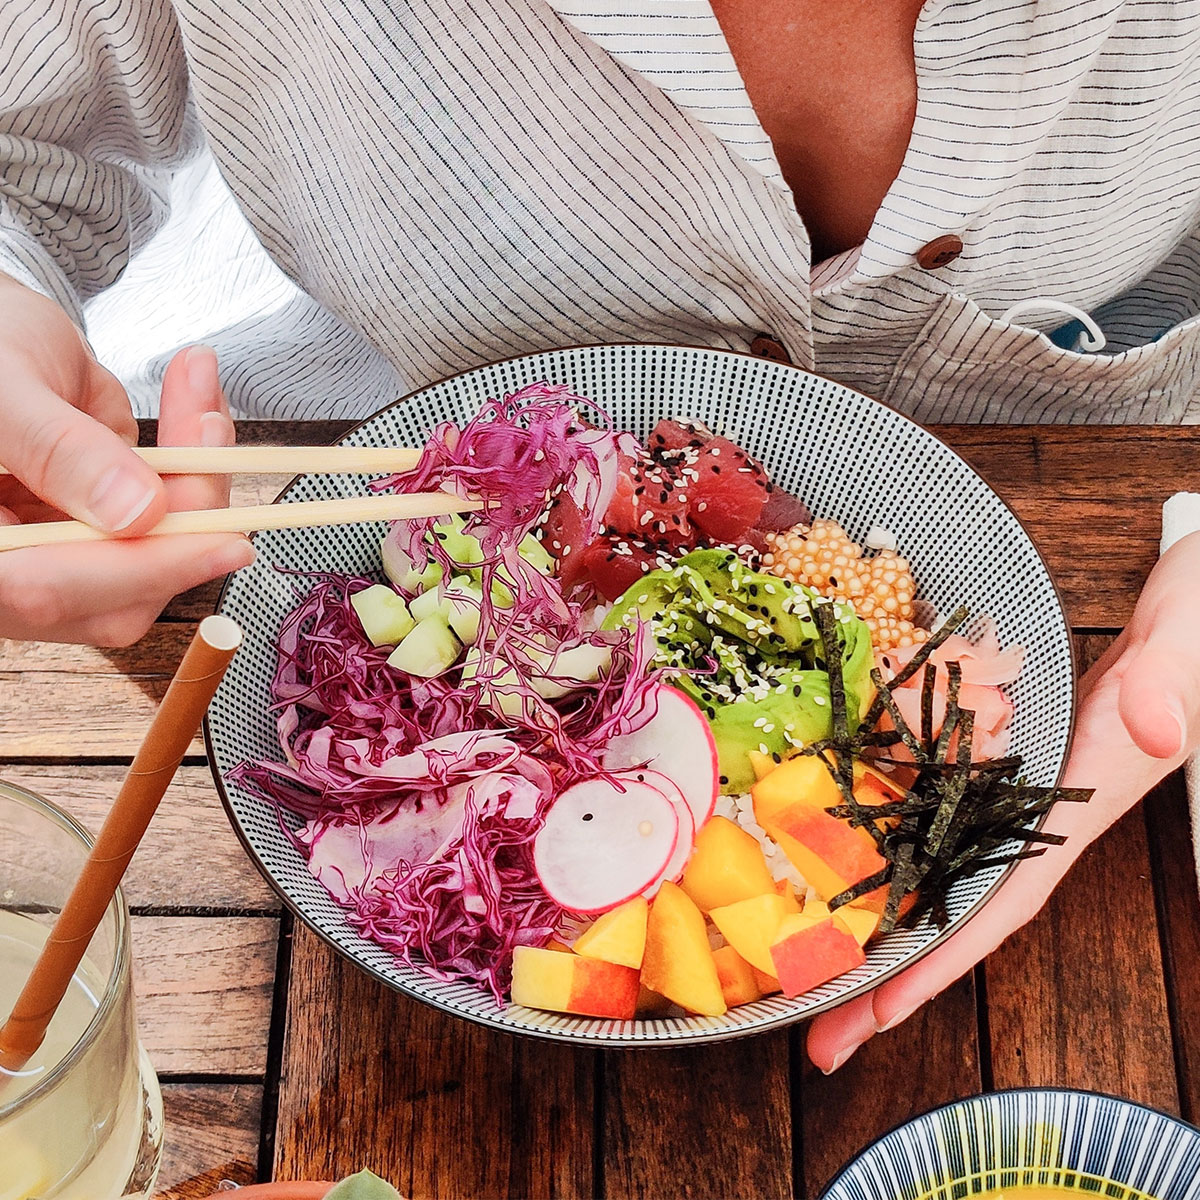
(677, 962)
(726, 866)
(767, 985)
(737, 976)
(618, 936)
(861, 922)
(809, 952)
(804, 779)
(750, 927)
(784, 888)
(829, 852)
(567, 983)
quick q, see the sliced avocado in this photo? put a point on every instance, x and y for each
(779, 722)
(743, 642)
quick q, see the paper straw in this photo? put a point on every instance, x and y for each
(157, 759)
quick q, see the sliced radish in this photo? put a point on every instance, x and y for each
(686, 842)
(677, 742)
(602, 843)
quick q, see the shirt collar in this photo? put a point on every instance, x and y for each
(678, 46)
(991, 83)
(993, 78)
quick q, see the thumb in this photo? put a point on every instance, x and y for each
(75, 463)
(1160, 692)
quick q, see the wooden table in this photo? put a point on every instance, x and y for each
(278, 1059)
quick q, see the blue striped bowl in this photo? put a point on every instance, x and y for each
(1096, 1145)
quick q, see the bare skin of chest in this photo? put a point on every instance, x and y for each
(834, 85)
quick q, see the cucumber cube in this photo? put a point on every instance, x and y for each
(426, 604)
(428, 650)
(383, 615)
(461, 605)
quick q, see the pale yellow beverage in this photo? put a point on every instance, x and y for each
(83, 1119)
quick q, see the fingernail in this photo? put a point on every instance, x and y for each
(840, 1060)
(235, 558)
(201, 364)
(898, 1019)
(118, 500)
(1175, 708)
(216, 429)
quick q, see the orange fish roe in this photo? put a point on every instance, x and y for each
(880, 587)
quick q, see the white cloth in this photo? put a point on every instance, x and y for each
(1181, 516)
(452, 181)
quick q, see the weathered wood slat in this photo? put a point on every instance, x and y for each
(437, 1106)
(1077, 997)
(1062, 991)
(933, 1058)
(211, 1135)
(78, 702)
(190, 857)
(1174, 870)
(204, 989)
(698, 1121)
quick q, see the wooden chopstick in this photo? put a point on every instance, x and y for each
(301, 515)
(276, 460)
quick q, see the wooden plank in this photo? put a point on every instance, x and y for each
(933, 1058)
(211, 1134)
(190, 857)
(435, 1105)
(1077, 997)
(1061, 990)
(1100, 540)
(79, 701)
(1174, 873)
(699, 1121)
(204, 988)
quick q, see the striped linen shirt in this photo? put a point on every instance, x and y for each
(412, 187)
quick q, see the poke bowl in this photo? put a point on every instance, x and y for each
(623, 757)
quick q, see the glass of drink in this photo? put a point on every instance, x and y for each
(82, 1120)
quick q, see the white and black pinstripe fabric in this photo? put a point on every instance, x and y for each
(452, 181)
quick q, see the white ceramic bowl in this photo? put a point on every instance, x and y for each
(848, 457)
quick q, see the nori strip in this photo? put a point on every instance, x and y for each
(911, 743)
(950, 720)
(862, 887)
(957, 817)
(955, 788)
(928, 684)
(841, 746)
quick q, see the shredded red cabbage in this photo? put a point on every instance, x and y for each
(421, 802)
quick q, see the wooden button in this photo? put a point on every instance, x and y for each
(765, 346)
(940, 252)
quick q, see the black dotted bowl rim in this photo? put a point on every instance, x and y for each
(710, 1034)
(1084, 1094)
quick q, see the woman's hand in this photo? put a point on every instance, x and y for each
(1139, 719)
(66, 429)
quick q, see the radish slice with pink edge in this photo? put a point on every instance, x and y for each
(677, 742)
(685, 843)
(603, 842)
